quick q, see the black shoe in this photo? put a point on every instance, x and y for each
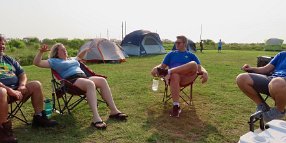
(6, 134)
(175, 112)
(162, 72)
(43, 121)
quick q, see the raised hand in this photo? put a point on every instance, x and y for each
(44, 48)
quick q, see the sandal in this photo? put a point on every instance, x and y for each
(99, 125)
(119, 116)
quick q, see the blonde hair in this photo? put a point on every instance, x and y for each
(184, 39)
(2, 38)
(54, 50)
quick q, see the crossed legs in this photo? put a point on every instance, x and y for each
(181, 75)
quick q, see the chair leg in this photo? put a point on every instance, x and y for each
(13, 112)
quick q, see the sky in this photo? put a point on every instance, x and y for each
(233, 21)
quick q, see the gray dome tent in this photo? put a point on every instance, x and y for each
(142, 42)
(273, 44)
(103, 50)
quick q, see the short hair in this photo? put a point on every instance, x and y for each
(184, 39)
(2, 38)
(54, 50)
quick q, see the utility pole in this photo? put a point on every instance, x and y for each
(125, 28)
(122, 31)
(201, 32)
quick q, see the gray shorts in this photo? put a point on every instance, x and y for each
(260, 82)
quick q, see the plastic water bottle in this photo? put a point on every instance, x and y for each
(155, 84)
(48, 107)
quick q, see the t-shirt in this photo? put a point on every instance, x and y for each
(177, 58)
(279, 62)
(10, 70)
(65, 68)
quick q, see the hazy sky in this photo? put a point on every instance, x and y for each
(240, 21)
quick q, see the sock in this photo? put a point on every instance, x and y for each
(39, 114)
(176, 103)
(169, 71)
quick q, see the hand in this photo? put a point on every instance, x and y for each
(154, 72)
(44, 48)
(15, 93)
(23, 89)
(246, 67)
(204, 77)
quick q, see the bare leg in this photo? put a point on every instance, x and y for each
(277, 89)
(245, 83)
(3, 106)
(175, 86)
(89, 87)
(187, 68)
(102, 84)
(36, 93)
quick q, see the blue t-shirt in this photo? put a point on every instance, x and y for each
(279, 63)
(10, 70)
(177, 58)
(65, 68)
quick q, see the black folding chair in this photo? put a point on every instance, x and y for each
(71, 95)
(186, 97)
(15, 110)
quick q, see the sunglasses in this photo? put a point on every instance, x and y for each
(178, 43)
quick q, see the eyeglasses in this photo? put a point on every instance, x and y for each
(177, 43)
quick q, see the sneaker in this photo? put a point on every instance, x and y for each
(175, 112)
(6, 133)
(43, 121)
(264, 107)
(162, 72)
(273, 113)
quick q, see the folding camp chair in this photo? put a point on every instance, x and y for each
(261, 61)
(187, 98)
(14, 108)
(71, 95)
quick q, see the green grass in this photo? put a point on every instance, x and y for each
(219, 112)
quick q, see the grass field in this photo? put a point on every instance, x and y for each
(219, 112)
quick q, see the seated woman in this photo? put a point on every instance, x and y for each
(70, 69)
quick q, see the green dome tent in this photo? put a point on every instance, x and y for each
(273, 44)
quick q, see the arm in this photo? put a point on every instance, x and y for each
(203, 72)
(38, 58)
(261, 70)
(82, 53)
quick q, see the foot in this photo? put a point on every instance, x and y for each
(175, 112)
(264, 107)
(43, 121)
(162, 72)
(273, 113)
(6, 133)
(99, 125)
(119, 116)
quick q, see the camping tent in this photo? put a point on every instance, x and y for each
(103, 50)
(273, 44)
(142, 42)
(191, 46)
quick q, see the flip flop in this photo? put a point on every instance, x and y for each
(119, 116)
(99, 125)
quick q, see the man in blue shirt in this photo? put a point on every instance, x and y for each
(183, 67)
(14, 85)
(219, 46)
(256, 82)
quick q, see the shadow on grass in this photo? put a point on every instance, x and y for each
(187, 128)
(66, 131)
